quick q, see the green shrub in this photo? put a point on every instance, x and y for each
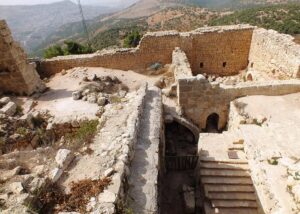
(132, 39)
(22, 131)
(69, 48)
(85, 133)
(19, 110)
(283, 18)
(53, 51)
(76, 48)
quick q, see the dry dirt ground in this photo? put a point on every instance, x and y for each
(58, 100)
(91, 159)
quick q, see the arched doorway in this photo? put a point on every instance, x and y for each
(212, 123)
(179, 140)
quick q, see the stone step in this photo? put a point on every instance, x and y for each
(233, 204)
(230, 161)
(232, 196)
(224, 172)
(209, 210)
(217, 165)
(236, 147)
(228, 188)
(238, 142)
(225, 180)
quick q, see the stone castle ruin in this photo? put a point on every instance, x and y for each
(17, 75)
(186, 123)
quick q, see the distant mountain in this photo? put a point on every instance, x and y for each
(282, 18)
(110, 3)
(32, 24)
(151, 15)
(231, 4)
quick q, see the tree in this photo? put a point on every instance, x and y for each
(76, 48)
(53, 51)
(69, 48)
(132, 39)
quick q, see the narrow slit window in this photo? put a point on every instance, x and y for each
(224, 64)
(201, 65)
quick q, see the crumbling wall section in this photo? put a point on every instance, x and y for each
(274, 52)
(16, 75)
(199, 98)
(181, 65)
(212, 46)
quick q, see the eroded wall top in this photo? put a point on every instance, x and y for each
(214, 50)
(273, 52)
(15, 74)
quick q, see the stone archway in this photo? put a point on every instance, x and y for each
(212, 123)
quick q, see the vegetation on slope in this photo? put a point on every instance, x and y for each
(112, 32)
(69, 48)
(132, 39)
(282, 18)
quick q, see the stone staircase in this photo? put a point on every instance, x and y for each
(227, 184)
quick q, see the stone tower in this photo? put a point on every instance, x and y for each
(16, 75)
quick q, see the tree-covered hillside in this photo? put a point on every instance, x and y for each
(282, 18)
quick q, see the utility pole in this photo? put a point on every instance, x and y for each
(84, 23)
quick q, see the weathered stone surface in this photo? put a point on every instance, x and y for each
(63, 158)
(55, 174)
(16, 187)
(17, 75)
(4, 100)
(234, 41)
(76, 95)
(9, 109)
(101, 101)
(107, 197)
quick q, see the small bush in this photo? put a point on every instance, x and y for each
(53, 51)
(19, 110)
(85, 133)
(132, 39)
(22, 131)
(69, 48)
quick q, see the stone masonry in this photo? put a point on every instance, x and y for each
(16, 75)
(213, 50)
(199, 98)
(274, 52)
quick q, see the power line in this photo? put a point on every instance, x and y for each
(84, 23)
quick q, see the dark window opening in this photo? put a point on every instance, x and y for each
(201, 65)
(224, 64)
(252, 65)
(212, 123)
(4, 71)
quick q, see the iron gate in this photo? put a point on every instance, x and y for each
(181, 162)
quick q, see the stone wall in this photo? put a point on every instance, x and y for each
(199, 98)
(216, 50)
(181, 65)
(274, 52)
(15, 74)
